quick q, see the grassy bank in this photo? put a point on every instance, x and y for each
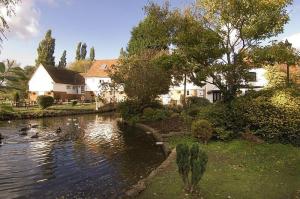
(236, 169)
(57, 110)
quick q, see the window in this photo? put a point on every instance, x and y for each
(216, 96)
(252, 77)
(187, 92)
(82, 89)
(74, 87)
(68, 87)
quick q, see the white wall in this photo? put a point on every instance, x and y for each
(69, 89)
(93, 83)
(41, 81)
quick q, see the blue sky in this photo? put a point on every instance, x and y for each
(104, 24)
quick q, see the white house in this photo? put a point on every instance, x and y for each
(97, 76)
(210, 91)
(61, 84)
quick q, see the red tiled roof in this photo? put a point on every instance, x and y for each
(100, 68)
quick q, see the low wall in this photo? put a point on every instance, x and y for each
(141, 185)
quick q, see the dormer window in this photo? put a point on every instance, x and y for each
(103, 66)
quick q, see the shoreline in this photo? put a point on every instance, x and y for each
(53, 113)
(142, 184)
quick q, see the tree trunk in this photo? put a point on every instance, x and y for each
(287, 75)
(184, 91)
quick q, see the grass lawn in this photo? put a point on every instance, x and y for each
(237, 169)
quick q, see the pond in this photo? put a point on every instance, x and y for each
(92, 157)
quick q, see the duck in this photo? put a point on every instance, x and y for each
(58, 130)
(1, 137)
(35, 136)
(34, 126)
(27, 128)
(8, 121)
(24, 133)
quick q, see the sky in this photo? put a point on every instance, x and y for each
(104, 24)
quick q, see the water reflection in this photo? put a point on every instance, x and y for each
(91, 157)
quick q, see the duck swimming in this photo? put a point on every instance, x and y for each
(27, 128)
(58, 130)
(35, 136)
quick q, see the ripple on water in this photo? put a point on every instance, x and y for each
(91, 157)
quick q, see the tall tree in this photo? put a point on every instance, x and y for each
(92, 54)
(63, 60)
(83, 51)
(78, 52)
(46, 50)
(242, 25)
(8, 7)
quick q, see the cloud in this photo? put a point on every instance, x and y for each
(295, 40)
(25, 24)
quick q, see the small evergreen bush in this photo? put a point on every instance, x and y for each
(74, 102)
(45, 101)
(202, 129)
(183, 162)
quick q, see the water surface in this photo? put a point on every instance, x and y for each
(91, 158)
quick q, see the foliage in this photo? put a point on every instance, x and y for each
(142, 78)
(150, 114)
(198, 167)
(11, 75)
(277, 53)
(191, 160)
(92, 54)
(5, 109)
(16, 97)
(83, 51)
(183, 162)
(74, 102)
(275, 77)
(129, 109)
(197, 101)
(45, 101)
(272, 114)
(202, 129)
(46, 51)
(223, 134)
(81, 66)
(241, 25)
(151, 33)
(63, 60)
(78, 52)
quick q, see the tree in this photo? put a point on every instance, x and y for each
(10, 75)
(9, 10)
(46, 50)
(92, 54)
(278, 53)
(242, 25)
(81, 66)
(83, 51)
(63, 60)
(142, 78)
(78, 52)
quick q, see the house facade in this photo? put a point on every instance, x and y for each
(210, 91)
(98, 82)
(61, 84)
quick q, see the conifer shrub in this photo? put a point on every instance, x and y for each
(183, 162)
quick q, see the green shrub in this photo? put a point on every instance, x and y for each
(183, 162)
(202, 129)
(192, 161)
(45, 101)
(4, 108)
(150, 114)
(16, 97)
(222, 134)
(74, 102)
(128, 109)
(198, 167)
(198, 101)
